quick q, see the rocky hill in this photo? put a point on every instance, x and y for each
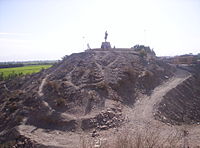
(181, 104)
(83, 92)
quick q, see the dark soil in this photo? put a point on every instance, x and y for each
(182, 104)
(79, 85)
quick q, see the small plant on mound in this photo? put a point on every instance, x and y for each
(8, 144)
(143, 53)
(19, 118)
(60, 102)
(148, 74)
(52, 86)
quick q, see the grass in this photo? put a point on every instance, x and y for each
(139, 138)
(23, 70)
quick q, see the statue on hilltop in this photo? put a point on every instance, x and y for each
(106, 36)
(106, 45)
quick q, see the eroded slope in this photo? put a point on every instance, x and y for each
(181, 105)
(78, 89)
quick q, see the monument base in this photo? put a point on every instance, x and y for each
(105, 45)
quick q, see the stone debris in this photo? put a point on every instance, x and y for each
(94, 133)
(109, 118)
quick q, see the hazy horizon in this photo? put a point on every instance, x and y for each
(51, 29)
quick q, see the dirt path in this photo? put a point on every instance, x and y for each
(40, 93)
(40, 90)
(140, 117)
(51, 138)
(99, 67)
(145, 106)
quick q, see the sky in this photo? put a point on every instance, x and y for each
(51, 29)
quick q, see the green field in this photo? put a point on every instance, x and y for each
(23, 70)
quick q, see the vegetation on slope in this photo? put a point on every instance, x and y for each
(9, 73)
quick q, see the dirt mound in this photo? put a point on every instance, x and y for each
(181, 104)
(77, 89)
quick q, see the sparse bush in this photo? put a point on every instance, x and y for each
(60, 102)
(148, 74)
(142, 138)
(85, 143)
(143, 53)
(19, 118)
(53, 86)
(102, 85)
(97, 143)
(1, 76)
(8, 144)
(12, 107)
(130, 72)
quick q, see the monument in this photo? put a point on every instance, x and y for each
(105, 45)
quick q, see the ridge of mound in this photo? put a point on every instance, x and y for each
(181, 104)
(83, 89)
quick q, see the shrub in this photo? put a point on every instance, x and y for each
(60, 102)
(8, 144)
(53, 86)
(1, 76)
(19, 118)
(147, 137)
(143, 53)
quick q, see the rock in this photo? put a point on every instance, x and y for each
(111, 114)
(119, 109)
(118, 114)
(106, 119)
(97, 143)
(103, 127)
(87, 124)
(166, 77)
(95, 134)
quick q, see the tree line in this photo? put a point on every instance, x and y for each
(11, 65)
(28, 63)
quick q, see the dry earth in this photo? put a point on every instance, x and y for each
(97, 95)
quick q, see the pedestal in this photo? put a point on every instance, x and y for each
(105, 45)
